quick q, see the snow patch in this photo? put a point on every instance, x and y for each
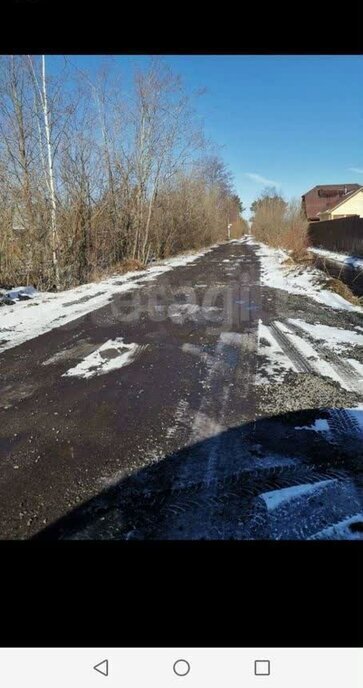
(112, 355)
(357, 366)
(319, 425)
(338, 338)
(304, 282)
(278, 363)
(320, 366)
(276, 498)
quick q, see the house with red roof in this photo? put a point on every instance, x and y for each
(332, 201)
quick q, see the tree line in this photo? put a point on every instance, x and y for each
(95, 176)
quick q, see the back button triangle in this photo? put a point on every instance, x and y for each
(102, 667)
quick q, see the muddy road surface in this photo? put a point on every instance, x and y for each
(201, 405)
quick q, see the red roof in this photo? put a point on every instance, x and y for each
(324, 197)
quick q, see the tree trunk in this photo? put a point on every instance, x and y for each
(53, 202)
(147, 228)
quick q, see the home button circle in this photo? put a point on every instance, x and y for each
(181, 667)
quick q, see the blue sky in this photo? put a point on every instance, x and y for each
(291, 121)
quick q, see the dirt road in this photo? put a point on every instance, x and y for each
(201, 405)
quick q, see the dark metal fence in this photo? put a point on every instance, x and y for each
(344, 235)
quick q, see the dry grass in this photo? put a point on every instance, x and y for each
(303, 257)
(128, 265)
(293, 238)
(298, 258)
(239, 227)
(339, 287)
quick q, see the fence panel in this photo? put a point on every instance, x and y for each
(344, 235)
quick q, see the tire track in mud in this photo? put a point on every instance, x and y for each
(199, 488)
(204, 504)
(306, 357)
(344, 430)
(180, 418)
(323, 361)
(189, 507)
(235, 504)
(348, 528)
(342, 367)
(299, 361)
(342, 425)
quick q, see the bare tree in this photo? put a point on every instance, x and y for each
(41, 94)
(100, 175)
(163, 140)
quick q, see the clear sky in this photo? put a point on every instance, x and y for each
(287, 121)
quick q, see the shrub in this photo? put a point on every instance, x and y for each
(281, 225)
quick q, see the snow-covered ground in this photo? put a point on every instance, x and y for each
(276, 363)
(28, 319)
(301, 346)
(338, 338)
(306, 281)
(283, 349)
(339, 257)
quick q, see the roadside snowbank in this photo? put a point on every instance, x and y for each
(24, 320)
(306, 281)
(339, 257)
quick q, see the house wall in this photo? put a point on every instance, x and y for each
(325, 216)
(329, 216)
(316, 201)
(352, 206)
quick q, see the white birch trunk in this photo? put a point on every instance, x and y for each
(53, 202)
